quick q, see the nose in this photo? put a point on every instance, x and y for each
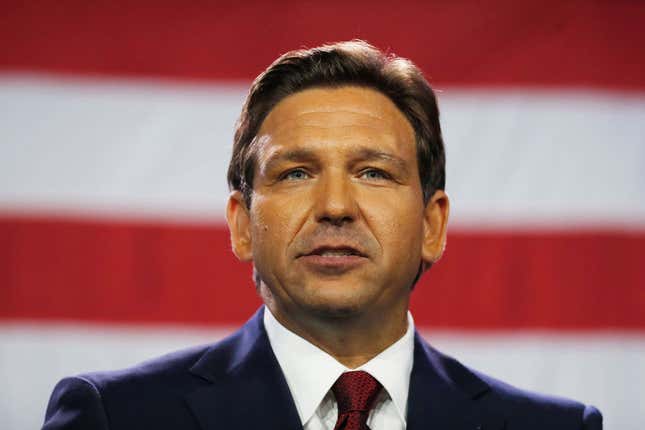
(335, 202)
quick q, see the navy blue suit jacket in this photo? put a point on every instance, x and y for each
(237, 384)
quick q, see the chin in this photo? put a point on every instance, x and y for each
(343, 305)
(332, 311)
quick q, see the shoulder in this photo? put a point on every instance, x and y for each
(544, 411)
(149, 394)
(155, 393)
(519, 408)
(160, 373)
(152, 394)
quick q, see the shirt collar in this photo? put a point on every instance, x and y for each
(298, 358)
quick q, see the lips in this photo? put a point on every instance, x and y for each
(333, 260)
(335, 251)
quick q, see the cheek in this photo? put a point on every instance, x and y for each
(274, 223)
(398, 227)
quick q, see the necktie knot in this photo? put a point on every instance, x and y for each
(355, 391)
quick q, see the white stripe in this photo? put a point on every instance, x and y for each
(605, 370)
(116, 147)
(545, 158)
(515, 157)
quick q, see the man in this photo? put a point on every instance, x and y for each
(337, 179)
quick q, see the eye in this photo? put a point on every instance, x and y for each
(294, 175)
(374, 174)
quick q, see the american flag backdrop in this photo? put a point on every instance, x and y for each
(116, 123)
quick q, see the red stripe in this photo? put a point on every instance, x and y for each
(500, 42)
(135, 272)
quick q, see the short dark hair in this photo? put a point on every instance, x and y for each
(352, 62)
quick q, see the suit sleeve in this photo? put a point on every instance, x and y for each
(591, 419)
(75, 404)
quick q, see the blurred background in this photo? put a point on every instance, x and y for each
(116, 122)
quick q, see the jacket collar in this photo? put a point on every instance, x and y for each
(444, 394)
(243, 387)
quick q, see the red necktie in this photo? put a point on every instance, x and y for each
(355, 394)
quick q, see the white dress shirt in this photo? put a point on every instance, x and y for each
(310, 373)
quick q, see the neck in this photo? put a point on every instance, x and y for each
(353, 339)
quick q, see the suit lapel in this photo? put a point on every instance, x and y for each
(244, 386)
(446, 395)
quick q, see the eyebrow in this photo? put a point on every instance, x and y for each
(369, 154)
(307, 155)
(296, 155)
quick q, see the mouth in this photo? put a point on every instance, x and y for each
(335, 252)
(333, 260)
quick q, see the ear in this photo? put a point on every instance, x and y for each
(238, 219)
(435, 225)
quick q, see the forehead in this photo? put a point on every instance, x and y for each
(347, 115)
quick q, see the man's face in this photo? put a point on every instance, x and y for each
(337, 222)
